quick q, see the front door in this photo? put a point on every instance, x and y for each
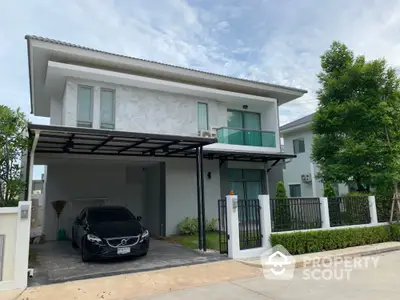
(247, 184)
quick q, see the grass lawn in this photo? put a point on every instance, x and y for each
(192, 241)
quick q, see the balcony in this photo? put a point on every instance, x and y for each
(246, 137)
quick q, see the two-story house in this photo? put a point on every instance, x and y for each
(300, 173)
(133, 132)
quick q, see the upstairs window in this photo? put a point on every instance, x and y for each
(107, 109)
(299, 146)
(202, 116)
(85, 106)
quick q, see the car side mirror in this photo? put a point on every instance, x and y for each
(139, 218)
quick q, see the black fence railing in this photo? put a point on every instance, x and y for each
(295, 213)
(223, 226)
(384, 207)
(249, 224)
(348, 210)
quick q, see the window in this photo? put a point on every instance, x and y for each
(299, 146)
(294, 190)
(85, 99)
(107, 111)
(238, 121)
(202, 116)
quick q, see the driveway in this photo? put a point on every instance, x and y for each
(58, 262)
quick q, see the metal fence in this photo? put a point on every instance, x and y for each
(222, 226)
(295, 213)
(348, 210)
(384, 207)
(249, 224)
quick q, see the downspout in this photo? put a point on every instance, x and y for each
(31, 163)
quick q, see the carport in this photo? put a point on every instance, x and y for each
(90, 167)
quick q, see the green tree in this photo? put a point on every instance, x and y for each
(13, 144)
(329, 191)
(357, 123)
(280, 190)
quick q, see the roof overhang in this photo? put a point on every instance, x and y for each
(295, 128)
(73, 140)
(246, 156)
(41, 51)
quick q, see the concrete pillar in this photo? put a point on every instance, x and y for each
(233, 226)
(372, 210)
(324, 212)
(265, 214)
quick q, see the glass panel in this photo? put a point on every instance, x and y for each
(235, 120)
(235, 137)
(84, 105)
(295, 190)
(252, 121)
(298, 146)
(253, 189)
(107, 109)
(202, 116)
(235, 174)
(238, 188)
(252, 175)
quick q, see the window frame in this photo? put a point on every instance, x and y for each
(301, 139)
(113, 107)
(207, 115)
(85, 123)
(290, 191)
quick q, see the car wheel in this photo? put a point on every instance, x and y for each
(84, 255)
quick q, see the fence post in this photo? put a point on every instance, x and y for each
(233, 226)
(265, 216)
(372, 210)
(326, 223)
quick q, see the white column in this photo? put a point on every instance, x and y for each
(233, 226)
(265, 215)
(372, 210)
(22, 246)
(324, 212)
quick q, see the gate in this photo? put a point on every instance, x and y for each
(249, 224)
(223, 226)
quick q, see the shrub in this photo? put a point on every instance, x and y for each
(324, 240)
(395, 232)
(280, 190)
(329, 191)
(188, 226)
(211, 225)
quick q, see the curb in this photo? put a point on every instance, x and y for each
(305, 262)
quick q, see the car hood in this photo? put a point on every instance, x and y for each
(116, 229)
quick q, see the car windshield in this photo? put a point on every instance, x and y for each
(114, 214)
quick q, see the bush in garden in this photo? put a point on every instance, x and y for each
(281, 210)
(211, 225)
(329, 191)
(188, 226)
(280, 190)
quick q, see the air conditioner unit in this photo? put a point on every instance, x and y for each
(205, 133)
(306, 177)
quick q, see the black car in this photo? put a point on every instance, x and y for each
(109, 231)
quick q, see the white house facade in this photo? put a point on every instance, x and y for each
(125, 131)
(300, 173)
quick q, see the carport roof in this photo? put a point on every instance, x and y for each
(73, 140)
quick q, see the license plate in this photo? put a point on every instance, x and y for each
(123, 250)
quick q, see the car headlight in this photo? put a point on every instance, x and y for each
(93, 238)
(145, 235)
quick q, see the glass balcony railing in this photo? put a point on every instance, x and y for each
(246, 137)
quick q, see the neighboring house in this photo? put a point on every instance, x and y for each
(125, 131)
(300, 173)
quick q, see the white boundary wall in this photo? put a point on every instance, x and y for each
(16, 232)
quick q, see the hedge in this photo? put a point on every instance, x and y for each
(324, 240)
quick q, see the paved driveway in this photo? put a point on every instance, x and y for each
(59, 262)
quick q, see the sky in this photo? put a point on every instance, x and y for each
(274, 41)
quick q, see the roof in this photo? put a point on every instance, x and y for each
(59, 51)
(77, 140)
(298, 122)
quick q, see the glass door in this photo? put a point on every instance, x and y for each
(244, 120)
(252, 121)
(235, 121)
